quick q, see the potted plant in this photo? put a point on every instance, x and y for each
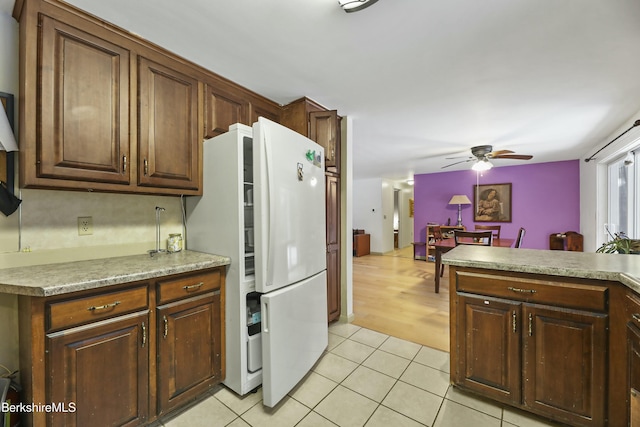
(621, 244)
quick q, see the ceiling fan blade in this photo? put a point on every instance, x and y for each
(513, 156)
(459, 157)
(493, 154)
(463, 161)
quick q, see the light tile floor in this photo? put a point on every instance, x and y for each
(365, 378)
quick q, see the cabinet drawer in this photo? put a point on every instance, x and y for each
(183, 287)
(632, 308)
(557, 292)
(77, 311)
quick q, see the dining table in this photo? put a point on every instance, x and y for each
(445, 245)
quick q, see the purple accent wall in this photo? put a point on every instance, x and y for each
(545, 199)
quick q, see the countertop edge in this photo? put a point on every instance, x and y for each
(606, 267)
(19, 280)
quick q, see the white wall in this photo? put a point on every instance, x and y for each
(388, 207)
(405, 237)
(593, 184)
(373, 209)
(367, 210)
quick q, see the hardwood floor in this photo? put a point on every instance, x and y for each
(394, 294)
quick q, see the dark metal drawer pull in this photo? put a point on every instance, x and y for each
(196, 286)
(103, 307)
(524, 291)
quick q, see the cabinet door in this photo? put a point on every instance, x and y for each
(333, 246)
(168, 126)
(83, 121)
(222, 109)
(189, 348)
(489, 346)
(564, 364)
(324, 129)
(633, 374)
(262, 108)
(104, 369)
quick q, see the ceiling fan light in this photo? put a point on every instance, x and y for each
(482, 165)
(355, 5)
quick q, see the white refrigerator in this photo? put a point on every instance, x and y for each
(263, 205)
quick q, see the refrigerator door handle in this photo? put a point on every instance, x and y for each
(269, 207)
(265, 317)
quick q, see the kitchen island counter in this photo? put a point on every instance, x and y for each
(613, 267)
(61, 278)
(550, 332)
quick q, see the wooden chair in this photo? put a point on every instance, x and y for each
(494, 228)
(521, 234)
(478, 238)
(437, 235)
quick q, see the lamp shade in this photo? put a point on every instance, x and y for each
(7, 140)
(459, 199)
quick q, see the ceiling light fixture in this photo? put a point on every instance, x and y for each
(482, 165)
(355, 5)
(410, 181)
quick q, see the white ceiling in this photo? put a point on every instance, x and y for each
(421, 79)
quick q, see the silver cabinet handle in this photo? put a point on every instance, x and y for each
(524, 291)
(124, 163)
(146, 167)
(103, 307)
(530, 324)
(196, 286)
(514, 321)
(144, 334)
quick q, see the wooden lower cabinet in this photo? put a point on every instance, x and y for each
(565, 364)
(188, 349)
(100, 373)
(633, 374)
(123, 355)
(513, 346)
(490, 350)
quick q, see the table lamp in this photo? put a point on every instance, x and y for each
(459, 199)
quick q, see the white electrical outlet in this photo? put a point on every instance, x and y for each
(85, 225)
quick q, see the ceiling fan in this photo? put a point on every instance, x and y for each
(483, 153)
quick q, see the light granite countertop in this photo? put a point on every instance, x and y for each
(61, 278)
(616, 267)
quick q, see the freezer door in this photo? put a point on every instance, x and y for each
(289, 206)
(294, 335)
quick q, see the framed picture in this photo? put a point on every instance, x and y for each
(492, 203)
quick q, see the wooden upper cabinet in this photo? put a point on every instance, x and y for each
(314, 121)
(223, 108)
(263, 108)
(83, 121)
(324, 129)
(168, 125)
